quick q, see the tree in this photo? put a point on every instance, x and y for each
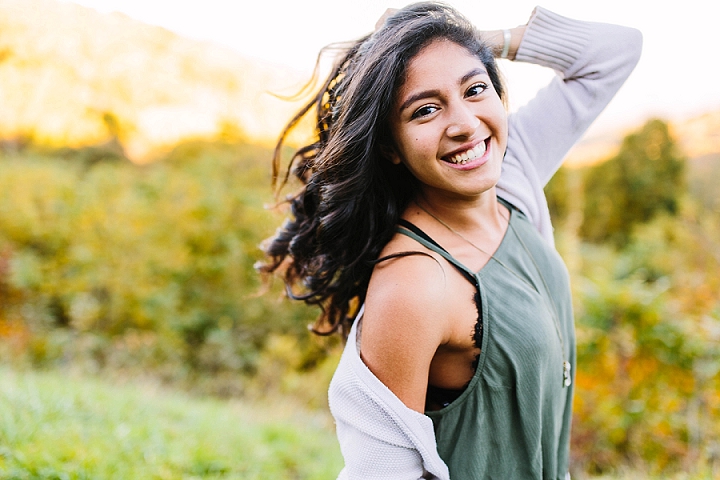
(646, 177)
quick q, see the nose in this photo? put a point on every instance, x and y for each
(462, 121)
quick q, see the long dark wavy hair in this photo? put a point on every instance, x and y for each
(352, 194)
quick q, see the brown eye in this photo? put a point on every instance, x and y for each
(424, 111)
(476, 89)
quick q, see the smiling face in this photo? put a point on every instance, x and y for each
(448, 123)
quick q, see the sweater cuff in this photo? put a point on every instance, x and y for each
(553, 41)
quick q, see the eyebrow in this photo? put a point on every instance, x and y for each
(432, 93)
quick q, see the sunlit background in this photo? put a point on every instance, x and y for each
(136, 337)
(675, 78)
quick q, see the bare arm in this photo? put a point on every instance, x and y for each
(377, 395)
(496, 40)
(405, 322)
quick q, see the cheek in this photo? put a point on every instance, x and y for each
(502, 115)
(409, 143)
(501, 125)
(418, 148)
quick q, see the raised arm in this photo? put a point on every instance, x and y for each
(505, 43)
(592, 61)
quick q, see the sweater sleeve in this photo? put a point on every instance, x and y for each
(592, 61)
(380, 438)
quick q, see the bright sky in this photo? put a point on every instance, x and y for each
(676, 77)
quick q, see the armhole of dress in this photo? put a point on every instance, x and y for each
(436, 247)
(438, 398)
(433, 245)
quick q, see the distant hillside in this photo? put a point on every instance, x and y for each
(70, 75)
(698, 137)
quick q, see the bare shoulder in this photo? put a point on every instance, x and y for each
(410, 287)
(405, 319)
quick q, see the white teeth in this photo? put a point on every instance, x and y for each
(475, 152)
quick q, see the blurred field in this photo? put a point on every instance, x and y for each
(57, 427)
(138, 341)
(132, 288)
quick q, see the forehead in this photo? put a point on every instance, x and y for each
(440, 62)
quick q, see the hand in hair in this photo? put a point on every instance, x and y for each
(381, 21)
(496, 40)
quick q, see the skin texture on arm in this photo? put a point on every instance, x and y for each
(496, 39)
(405, 322)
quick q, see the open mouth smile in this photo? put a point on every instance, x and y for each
(469, 155)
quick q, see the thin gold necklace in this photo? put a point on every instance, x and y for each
(441, 222)
(476, 247)
(567, 378)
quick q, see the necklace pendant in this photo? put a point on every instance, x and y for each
(567, 379)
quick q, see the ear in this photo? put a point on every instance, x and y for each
(391, 154)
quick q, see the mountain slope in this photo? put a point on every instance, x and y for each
(697, 136)
(72, 76)
(66, 69)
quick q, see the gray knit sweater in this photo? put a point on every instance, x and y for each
(592, 61)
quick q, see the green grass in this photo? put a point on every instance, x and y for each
(58, 427)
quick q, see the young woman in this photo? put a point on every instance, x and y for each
(422, 231)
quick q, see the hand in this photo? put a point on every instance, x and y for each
(493, 39)
(496, 39)
(381, 21)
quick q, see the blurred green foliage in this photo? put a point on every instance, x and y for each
(128, 270)
(646, 177)
(648, 354)
(644, 257)
(143, 268)
(702, 180)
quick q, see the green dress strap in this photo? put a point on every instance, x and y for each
(439, 250)
(406, 228)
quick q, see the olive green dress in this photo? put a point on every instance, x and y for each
(513, 419)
